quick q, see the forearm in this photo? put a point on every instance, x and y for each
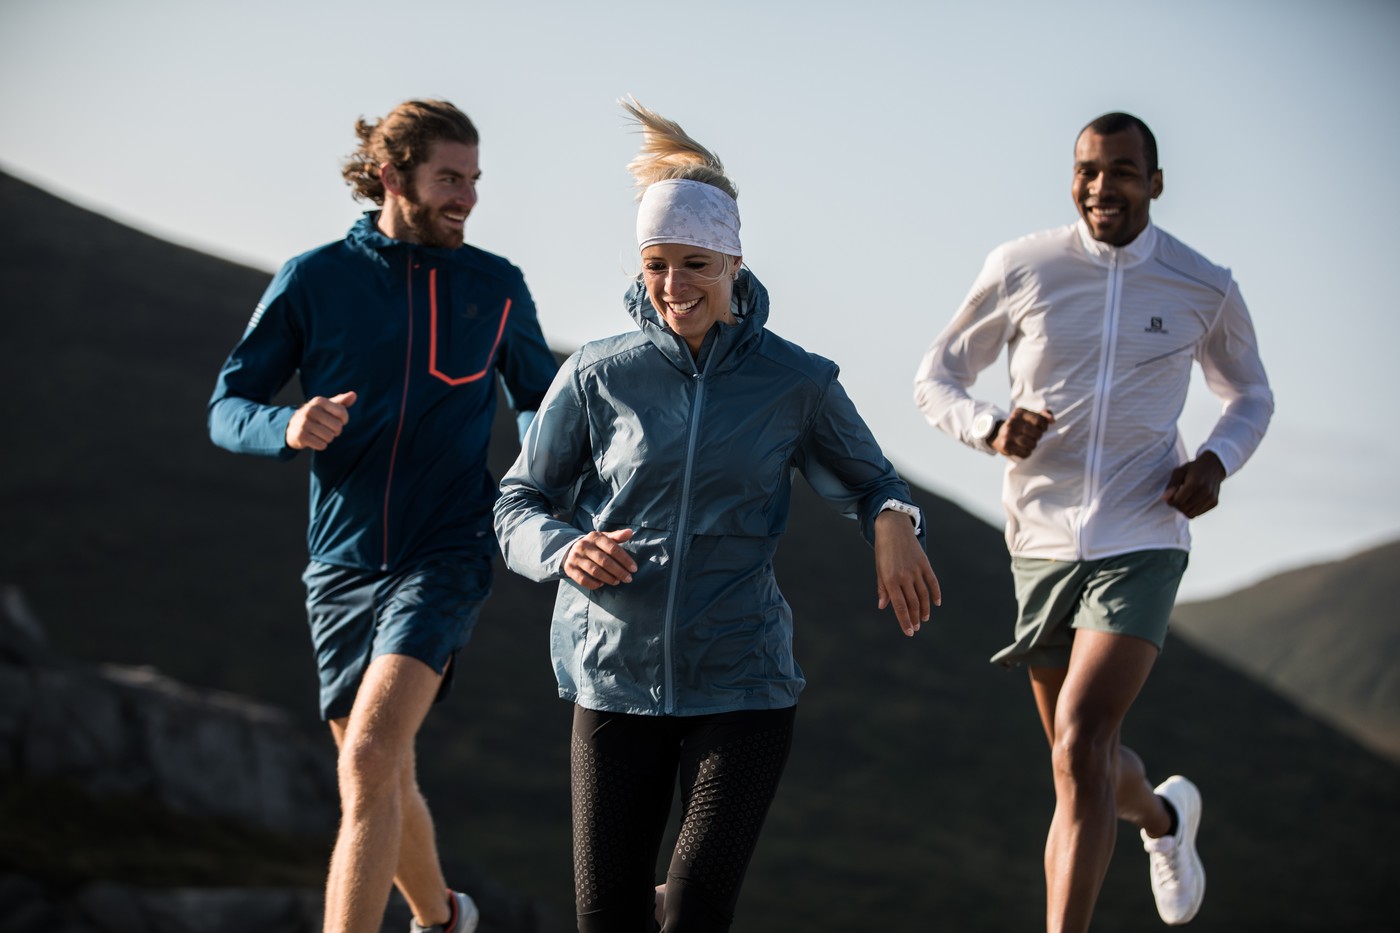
(533, 542)
(1235, 374)
(941, 394)
(971, 342)
(1241, 428)
(247, 427)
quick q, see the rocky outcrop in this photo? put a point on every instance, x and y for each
(121, 730)
(122, 733)
(123, 737)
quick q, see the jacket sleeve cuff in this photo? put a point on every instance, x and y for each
(523, 420)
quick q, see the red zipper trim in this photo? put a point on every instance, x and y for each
(433, 332)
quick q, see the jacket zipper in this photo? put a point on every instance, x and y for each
(403, 401)
(669, 627)
(1102, 398)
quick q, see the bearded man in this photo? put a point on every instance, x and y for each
(398, 333)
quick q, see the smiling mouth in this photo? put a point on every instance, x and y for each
(1105, 214)
(682, 307)
(457, 219)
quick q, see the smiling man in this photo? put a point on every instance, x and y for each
(398, 334)
(1101, 321)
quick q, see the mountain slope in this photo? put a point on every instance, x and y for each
(1325, 636)
(128, 531)
(918, 792)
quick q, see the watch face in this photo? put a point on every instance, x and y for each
(982, 425)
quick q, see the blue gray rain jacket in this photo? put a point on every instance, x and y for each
(698, 462)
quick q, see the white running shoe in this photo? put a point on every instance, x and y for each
(1178, 878)
(464, 917)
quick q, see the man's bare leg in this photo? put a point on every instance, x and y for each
(419, 876)
(1096, 780)
(1133, 793)
(381, 809)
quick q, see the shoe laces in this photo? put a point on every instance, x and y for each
(1166, 869)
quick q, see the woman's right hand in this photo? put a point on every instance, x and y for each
(598, 559)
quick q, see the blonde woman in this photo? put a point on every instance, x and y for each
(654, 486)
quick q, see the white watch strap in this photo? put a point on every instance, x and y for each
(913, 511)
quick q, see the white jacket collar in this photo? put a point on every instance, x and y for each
(1135, 252)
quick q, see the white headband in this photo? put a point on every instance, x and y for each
(679, 210)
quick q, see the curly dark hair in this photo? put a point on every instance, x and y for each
(402, 138)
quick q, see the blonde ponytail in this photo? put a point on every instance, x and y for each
(669, 152)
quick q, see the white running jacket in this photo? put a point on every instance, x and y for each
(1103, 337)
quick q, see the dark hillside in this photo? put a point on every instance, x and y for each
(918, 793)
(1324, 636)
(139, 541)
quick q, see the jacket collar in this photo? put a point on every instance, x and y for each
(726, 343)
(1135, 252)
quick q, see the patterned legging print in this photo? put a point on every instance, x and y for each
(624, 769)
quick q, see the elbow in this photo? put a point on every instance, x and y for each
(1259, 406)
(924, 398)
(923, 387)
(933, 398)
(219, 431)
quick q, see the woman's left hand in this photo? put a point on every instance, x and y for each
(906, 581)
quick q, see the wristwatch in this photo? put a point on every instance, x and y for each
(986, 425)
(906, 508)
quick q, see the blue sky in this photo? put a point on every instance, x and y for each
(881, 149)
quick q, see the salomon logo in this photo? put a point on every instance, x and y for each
(1155, 326)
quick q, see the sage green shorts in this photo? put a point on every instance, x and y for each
(1128, 594)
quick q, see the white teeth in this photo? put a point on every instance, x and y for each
(685, 306)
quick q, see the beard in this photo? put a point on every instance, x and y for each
(425, 223)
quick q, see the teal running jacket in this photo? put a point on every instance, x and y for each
(421, 335)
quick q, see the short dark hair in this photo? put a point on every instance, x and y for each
(1117, 122)
(402, 138)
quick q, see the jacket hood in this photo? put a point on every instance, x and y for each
(365, 234)
(727, 342)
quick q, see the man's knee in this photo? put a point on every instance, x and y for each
(368, 768)
(1129, 765)
(1085, 756)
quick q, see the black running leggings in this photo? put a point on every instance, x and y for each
(624, 770)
